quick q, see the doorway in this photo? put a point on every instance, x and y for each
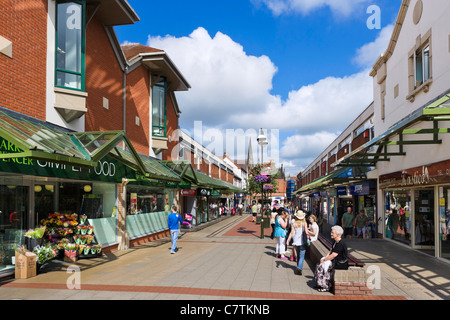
(424, 220)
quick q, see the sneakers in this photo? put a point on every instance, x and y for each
(172, 252)
(299, 271)
(284, 258)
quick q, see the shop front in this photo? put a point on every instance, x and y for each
(417, 207)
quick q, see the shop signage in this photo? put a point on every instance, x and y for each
(341, 191)
(215, 193)
(360, 189)
(188, 192)
(203, 192)
(431, 174)
(107, 170)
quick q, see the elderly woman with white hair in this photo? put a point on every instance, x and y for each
(335, 259)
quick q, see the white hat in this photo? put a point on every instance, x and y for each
(300, 215)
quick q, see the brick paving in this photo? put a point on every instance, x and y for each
(225, 260)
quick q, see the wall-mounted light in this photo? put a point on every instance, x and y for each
(49, 187)
(37, 188)
(87, 188)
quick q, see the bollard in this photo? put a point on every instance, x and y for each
(262, 227)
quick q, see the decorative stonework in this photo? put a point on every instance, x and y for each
(418, 10)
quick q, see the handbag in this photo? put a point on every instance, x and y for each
(306, 239)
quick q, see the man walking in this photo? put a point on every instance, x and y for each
(348, 220)
(174, 221)
(361, 223)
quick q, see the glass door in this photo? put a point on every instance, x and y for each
(424, 219)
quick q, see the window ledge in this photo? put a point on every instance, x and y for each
(70, 104)
(425, 87)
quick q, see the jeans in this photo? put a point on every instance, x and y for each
(174, 235)
(301, 250)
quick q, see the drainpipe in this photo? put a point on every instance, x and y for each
(124, 115)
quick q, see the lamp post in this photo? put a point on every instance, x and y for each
(262, 141)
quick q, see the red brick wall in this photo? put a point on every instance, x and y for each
(172, 125)
(104, 78)
(138, 105)
(331, 160)
(23, 78)
(215, 171)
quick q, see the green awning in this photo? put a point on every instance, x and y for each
(39, 140)
(183, 168)
(433, 112)
(340, 175)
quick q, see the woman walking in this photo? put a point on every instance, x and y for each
(280, 234)
(298, 231)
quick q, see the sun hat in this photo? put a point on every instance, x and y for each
(300, 215)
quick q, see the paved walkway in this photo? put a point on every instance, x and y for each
(226, 260)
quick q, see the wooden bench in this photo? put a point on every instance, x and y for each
(352, 261)
(352, 281)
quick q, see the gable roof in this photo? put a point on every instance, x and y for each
(393, 42)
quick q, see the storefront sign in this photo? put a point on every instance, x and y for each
(360, 189)
(341, 191)
(215, 193)
(435, 173)
(188, 192)
(203, 192)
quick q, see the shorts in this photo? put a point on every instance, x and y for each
(348, 231)
(360, 230)
(254, 214)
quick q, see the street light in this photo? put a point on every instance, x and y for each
(262, 141)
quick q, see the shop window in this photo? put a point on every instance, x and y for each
(70, 44)
(424, 217)
(159, 94)
(13, 221)
(444, 221)
(142, 200)
(398, 215)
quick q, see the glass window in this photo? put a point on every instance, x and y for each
(424, 217)
(141, 200)
(398, 215)
(70, 44)
(159, 108)
(444, 221)
(422, 65)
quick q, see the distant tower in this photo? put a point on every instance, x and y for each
(250, 154)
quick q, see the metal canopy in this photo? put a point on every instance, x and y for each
(183, 169)
(36, 139)
(434, 112)
(340, 175)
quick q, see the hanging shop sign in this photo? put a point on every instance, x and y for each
(341, 191)
(436, 173)
(203, 192)
(215, 193)
(188, 192)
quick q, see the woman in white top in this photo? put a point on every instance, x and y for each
(298, 227)
(313, 230)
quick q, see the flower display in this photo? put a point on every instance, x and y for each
(261, 178)
(268, 187)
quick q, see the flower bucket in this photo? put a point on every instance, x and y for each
(70, 255)
(83, 239)
(81, 249)
(93, 249)
(99, 249)
(83, 219)
(83, 231)
(90, 229)
(89, 239)
(86, 249)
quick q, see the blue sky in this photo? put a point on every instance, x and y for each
(293, 67)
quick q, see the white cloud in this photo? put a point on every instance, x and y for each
(338, 7)
(224, 79)
(367, 55)
(231, 90)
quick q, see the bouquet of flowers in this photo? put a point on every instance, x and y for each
(44, 253)
(20, 249)
(37, 233)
